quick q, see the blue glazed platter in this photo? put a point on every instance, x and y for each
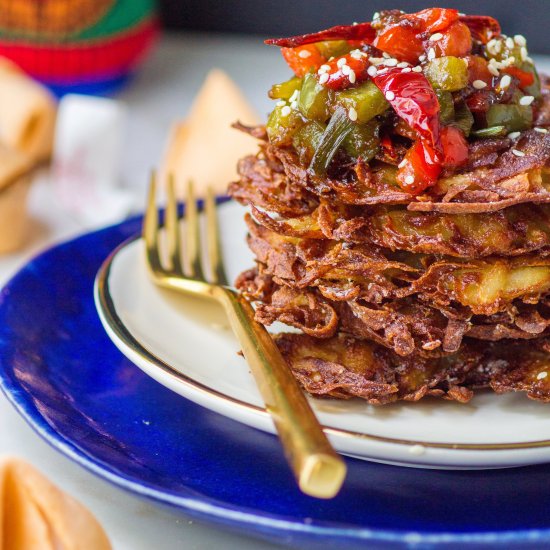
(66, 378)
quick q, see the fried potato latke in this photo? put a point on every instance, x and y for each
(344, 271)
(406, 326)
(344, 367)
(401, 296)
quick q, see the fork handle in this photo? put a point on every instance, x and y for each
(319, 470)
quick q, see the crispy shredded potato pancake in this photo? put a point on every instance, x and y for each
(400, 215)
(343, 271)
(406, 326)
(344, 367)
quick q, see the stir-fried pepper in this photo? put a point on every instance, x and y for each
(429, 80)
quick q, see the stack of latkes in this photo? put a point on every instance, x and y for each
(400, 210)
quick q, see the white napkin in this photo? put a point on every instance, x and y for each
(89, 138)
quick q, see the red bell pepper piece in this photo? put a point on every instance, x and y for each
(336, 77)
(363, 32)
(420, 168)
(525, 78)
(478, 69)
(414, 100)
(303, 59)
(401, 42)
(455, 146)
(457, 41)
(435, 19)
(482, 27)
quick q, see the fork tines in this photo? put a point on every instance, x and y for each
(183, 253)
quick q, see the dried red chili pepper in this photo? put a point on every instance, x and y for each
(482, 27)
(363, 32)
(414, 100)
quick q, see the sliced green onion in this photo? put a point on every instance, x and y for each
(493, 131)
(338, 128)
(463, 118)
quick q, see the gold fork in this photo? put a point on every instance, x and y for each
(319, 471)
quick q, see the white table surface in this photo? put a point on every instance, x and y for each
(161, 93)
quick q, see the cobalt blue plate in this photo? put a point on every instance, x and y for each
(66, 378)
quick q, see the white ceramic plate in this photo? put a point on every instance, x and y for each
(184, 344)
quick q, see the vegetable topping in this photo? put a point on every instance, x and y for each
(406, 89)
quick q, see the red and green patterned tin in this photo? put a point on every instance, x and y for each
(77, 45)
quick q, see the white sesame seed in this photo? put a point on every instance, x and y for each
(542, 375)
(526, 100)
(479, 84)
(514, 135)
(341, 62)
(524, 53)
(406, 70)
(377, 60)
(518, 153)
(422, 58)
(409, 180)
(505, 81)
(403, 64)
(323, 78)
(356, 54)
(295, 95)
(417, 69)
(386, 55)
(498, 46)
(323, 69)
(372, 71)
(285, 111)
(402, 164)
(431, 54)
(352, 77)
(493, 70)
(376, 15)
(391, 62)
(510, 61)
(294, 105)
(509, 43)
(345, 69)
(281, 103)
(304, 54)
(383, 70)
(541, 130)
(520, 40)
(390, 96)
(352, 113)
(435, 37)
(417, 450)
